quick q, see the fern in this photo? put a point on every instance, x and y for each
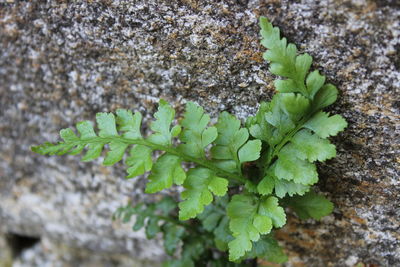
(156, 218)
(226, 203)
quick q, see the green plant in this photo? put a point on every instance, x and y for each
(241, 177)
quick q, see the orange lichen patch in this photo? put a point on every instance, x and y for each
(310, 233)
(226, 11)
(104, 170)
(350, 213)
(347, 72)
(286, 235)
(173, 35)
(383, 108)
(298, 264)
(396, 234)
(192, 3)
(291, 224)
(257, 57)
(364, 186)
(249, 54)
(367, 9)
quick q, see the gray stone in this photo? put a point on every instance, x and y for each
(62, 62)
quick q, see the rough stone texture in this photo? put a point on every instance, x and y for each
(62, 62)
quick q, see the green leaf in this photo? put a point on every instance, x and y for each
(147, 215)
(93, 152)
(124, 213)
(144, 213)
(326, 96)
(117, 151)
(270, 123)
(209, 218)
(314, 82)
(222, 234)
(270, 207)
(270, 34)
(166, 171)
(72, 144)
(286, 86)
(325, 125)
(230, 138)
(106, 124)
(250, 186)
(311, 205)
(241, 211)
(152, 228)
(69, 138)
(139, 161)
(247, 223)
(262, 223)
(107, 127)
(129, 123)
(227, 165)
(284, 60)
(258, 126)
(230, 134)
(250, 151)
(195, 135)
(215, 220)
(290, 167)
(303, 64)
(68, 135)
(266, 186)
(161, 126)
(239, 246)
(208, 136)
(294, 105)
(166, 205)
(176, 130)
(86, 131)
(279, 119)
(200, 184)
(141, 211)
(267, 248)
(216, 208)
(311, 147)
(172, 236)
(283, 187)
(192, 249)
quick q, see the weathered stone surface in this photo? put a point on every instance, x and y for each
(62, 62)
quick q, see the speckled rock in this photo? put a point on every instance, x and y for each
(62, 62)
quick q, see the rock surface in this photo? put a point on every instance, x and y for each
(62, 62)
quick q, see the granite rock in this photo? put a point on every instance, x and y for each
(62, 61)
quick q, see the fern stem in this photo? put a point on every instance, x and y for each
(173, 221)
(170, 150)
(202, 162)
(289, 137)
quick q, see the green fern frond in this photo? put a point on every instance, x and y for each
(239, 176)
(123, 131)
(155, 218)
